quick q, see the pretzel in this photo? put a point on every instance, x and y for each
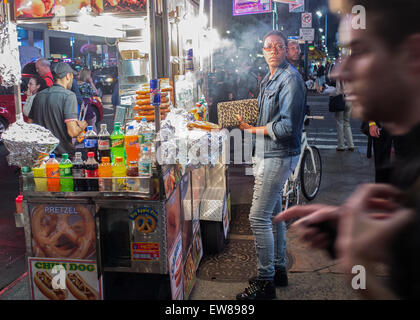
(150, 118)
(150, 107)
(49, 229)
(146, 223)
(147, 96)
(152, 112)
(203, 125)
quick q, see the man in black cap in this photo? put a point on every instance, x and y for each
(55, 108)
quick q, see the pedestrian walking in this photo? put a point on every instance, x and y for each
(378, 223)
(342, 112)
(87, 91)
(282, 108)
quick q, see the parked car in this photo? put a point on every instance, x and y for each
(105, 79)
(8, 110)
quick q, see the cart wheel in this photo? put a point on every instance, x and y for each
(213, 237)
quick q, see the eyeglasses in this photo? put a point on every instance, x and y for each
(277, 47)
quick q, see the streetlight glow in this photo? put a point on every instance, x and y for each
(321, 30)
(319, 13)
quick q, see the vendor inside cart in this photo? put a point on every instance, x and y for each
(55, 109)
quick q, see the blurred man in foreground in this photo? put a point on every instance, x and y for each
(381, 65)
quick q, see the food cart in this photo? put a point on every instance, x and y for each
(132, 245)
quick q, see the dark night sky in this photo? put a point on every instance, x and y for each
(249, 26)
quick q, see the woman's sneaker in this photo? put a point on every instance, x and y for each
(258, 290)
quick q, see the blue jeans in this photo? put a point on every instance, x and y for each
(270, 240)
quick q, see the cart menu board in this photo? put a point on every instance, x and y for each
(38, 9)
(125, 6)
(173, 219)
(63, 231)
(176, 273)
(64, 279)
(241, 7)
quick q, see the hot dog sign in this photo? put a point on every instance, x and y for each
(53, 279)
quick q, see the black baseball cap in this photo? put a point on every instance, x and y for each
(61, 69)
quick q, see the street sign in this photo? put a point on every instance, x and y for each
(298, 7)
(307, 20)
(307, 34)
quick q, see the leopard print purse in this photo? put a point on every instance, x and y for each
(247, 109)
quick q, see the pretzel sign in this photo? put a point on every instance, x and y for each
(55, 237)
(146, 223)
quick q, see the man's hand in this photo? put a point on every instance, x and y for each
(369, 220)
(309, 227)
(374, 131)
(243, 125)
(75, 127)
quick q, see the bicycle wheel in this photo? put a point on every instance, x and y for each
(310, 173)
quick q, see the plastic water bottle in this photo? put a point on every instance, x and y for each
(147, 134)
(145, 171)
(53, 174)
(28, 183)
(131, 142)
(91, 171)
(117, 142)
(79, 173)
(66, 171)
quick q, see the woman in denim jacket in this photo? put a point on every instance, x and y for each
(282, 107)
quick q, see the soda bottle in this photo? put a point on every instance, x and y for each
(28, 183)
(119, 171)
(53, 174)
(133, 181)
(104, 143)
(91, 171)
(66, 171)
(131, 142)
(105, 171)
(40, 177)
(117, 142)
(79, 173)
(91, 142)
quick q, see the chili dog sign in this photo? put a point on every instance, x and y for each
(53, 279)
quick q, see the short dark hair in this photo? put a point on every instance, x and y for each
(275, 33)
(37, 79)
(393, 22)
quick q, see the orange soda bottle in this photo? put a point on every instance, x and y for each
(131, 143)
(105, 171)
(53, 174)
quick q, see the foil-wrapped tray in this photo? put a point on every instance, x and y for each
(28, 143)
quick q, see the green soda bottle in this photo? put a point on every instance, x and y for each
(117, 142)
(66, 168)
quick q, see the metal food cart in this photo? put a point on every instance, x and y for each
(125, 245)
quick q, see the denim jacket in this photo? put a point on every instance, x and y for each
(282, 107)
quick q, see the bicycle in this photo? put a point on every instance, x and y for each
(307, 175)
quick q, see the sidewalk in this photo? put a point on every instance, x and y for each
(312, 274)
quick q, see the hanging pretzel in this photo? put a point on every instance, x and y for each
(48, 229)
